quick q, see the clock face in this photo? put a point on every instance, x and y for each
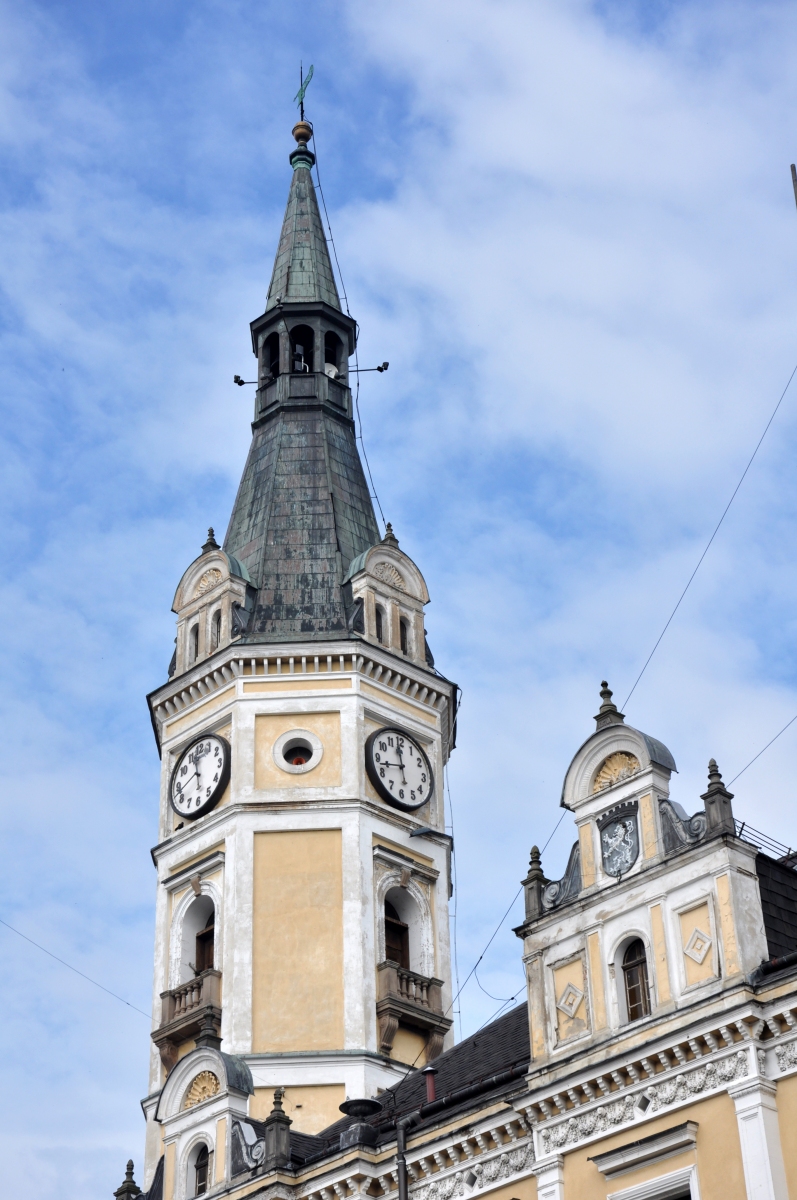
(200, 777)
(398, 768)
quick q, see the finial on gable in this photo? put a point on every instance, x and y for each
(211, 543)
(390, 538)
(717, 799)
(608, 713)
(129, 1188)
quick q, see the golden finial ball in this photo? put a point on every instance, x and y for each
(302, 131)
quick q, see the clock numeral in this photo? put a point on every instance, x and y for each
(209, 791)
(378, 757)
(390, 781)
(382, 773)
(412, 795)
(184, 770)
(423, 777)
(198, 801)
(216, 778)
(401, 793)
(420, 789)
(390, 742)
(383, 746)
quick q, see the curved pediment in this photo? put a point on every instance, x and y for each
(612, 756)
(201, 1075)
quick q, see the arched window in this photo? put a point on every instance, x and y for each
(193, 644)
(215, 630)
(197, 941)
(202, 1171)
(404, 634)
(302, 342)
(332, 354)
(635, 977)
(380, 625)
(397, 938)
(271, 356)
(205, 940)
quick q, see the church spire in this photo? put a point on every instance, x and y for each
(303, 510)
(302, 269)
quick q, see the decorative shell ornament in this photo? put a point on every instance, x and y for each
(388, 574)
(212, 578)
(204, 1086)
(617, 766)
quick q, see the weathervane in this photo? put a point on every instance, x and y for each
(299, 97)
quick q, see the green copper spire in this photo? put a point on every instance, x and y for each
(302, 270)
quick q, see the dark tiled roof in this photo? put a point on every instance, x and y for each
(778, 886)
(302, 270)
(302, 513)
(156, 1187)
(501, 1045)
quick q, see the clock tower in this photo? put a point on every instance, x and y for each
(303, 868)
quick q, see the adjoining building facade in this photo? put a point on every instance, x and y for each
(303, 1047)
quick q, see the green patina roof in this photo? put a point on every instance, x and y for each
(302, 270)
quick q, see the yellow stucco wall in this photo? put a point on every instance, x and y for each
(270, 726)
(570, 972)
(587, 845)
(220, 1155)
(297, 951)
(648, 822)
(660, 954)
(727, 925)
(697, 919)
(306, 683)
(719, 1156)
(596, 980)
(787, 1118)
(409, 1047)
(311, 1108)
(168, 1171)
(200, 714)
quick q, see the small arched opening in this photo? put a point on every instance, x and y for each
(379, 622)
(302, 344)
(193, 644)
(270, 360)
(199, 1171)
(198, 943)
(403, 930)
(215, 630)
(404, 635)
(333, 348)
(636, 988)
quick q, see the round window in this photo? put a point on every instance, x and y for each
(298, 751)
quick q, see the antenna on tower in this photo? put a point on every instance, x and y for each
(794, 181)
(299, 97)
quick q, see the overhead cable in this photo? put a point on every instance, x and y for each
(711, 539)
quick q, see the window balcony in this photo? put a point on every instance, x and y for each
(406, 998)
(183, 1010)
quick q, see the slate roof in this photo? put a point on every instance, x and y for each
(778, 886)
(500, 1045)
(303, 509)
(302, 270)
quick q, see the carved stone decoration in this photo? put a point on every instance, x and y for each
(388, 574)
(678, 829)
(248, 1146)
(786, 1056)
(619, 834)
(698, 946)
(388, 1028)
(212, 578)
(502, 1166)
(620, 765)
(205, 1085)
(569, 1000)
(681, 1088)
(568, 887)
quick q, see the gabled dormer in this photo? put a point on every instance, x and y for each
(213, 603)
(388, 595)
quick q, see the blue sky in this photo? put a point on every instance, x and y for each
(570, 229)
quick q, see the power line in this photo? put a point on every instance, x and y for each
(64, 963)
(760, 752)
(711, 539)
(346, 302)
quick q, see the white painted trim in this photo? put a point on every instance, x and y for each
(297, 735)
(664, 1187)
(759, 1134)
